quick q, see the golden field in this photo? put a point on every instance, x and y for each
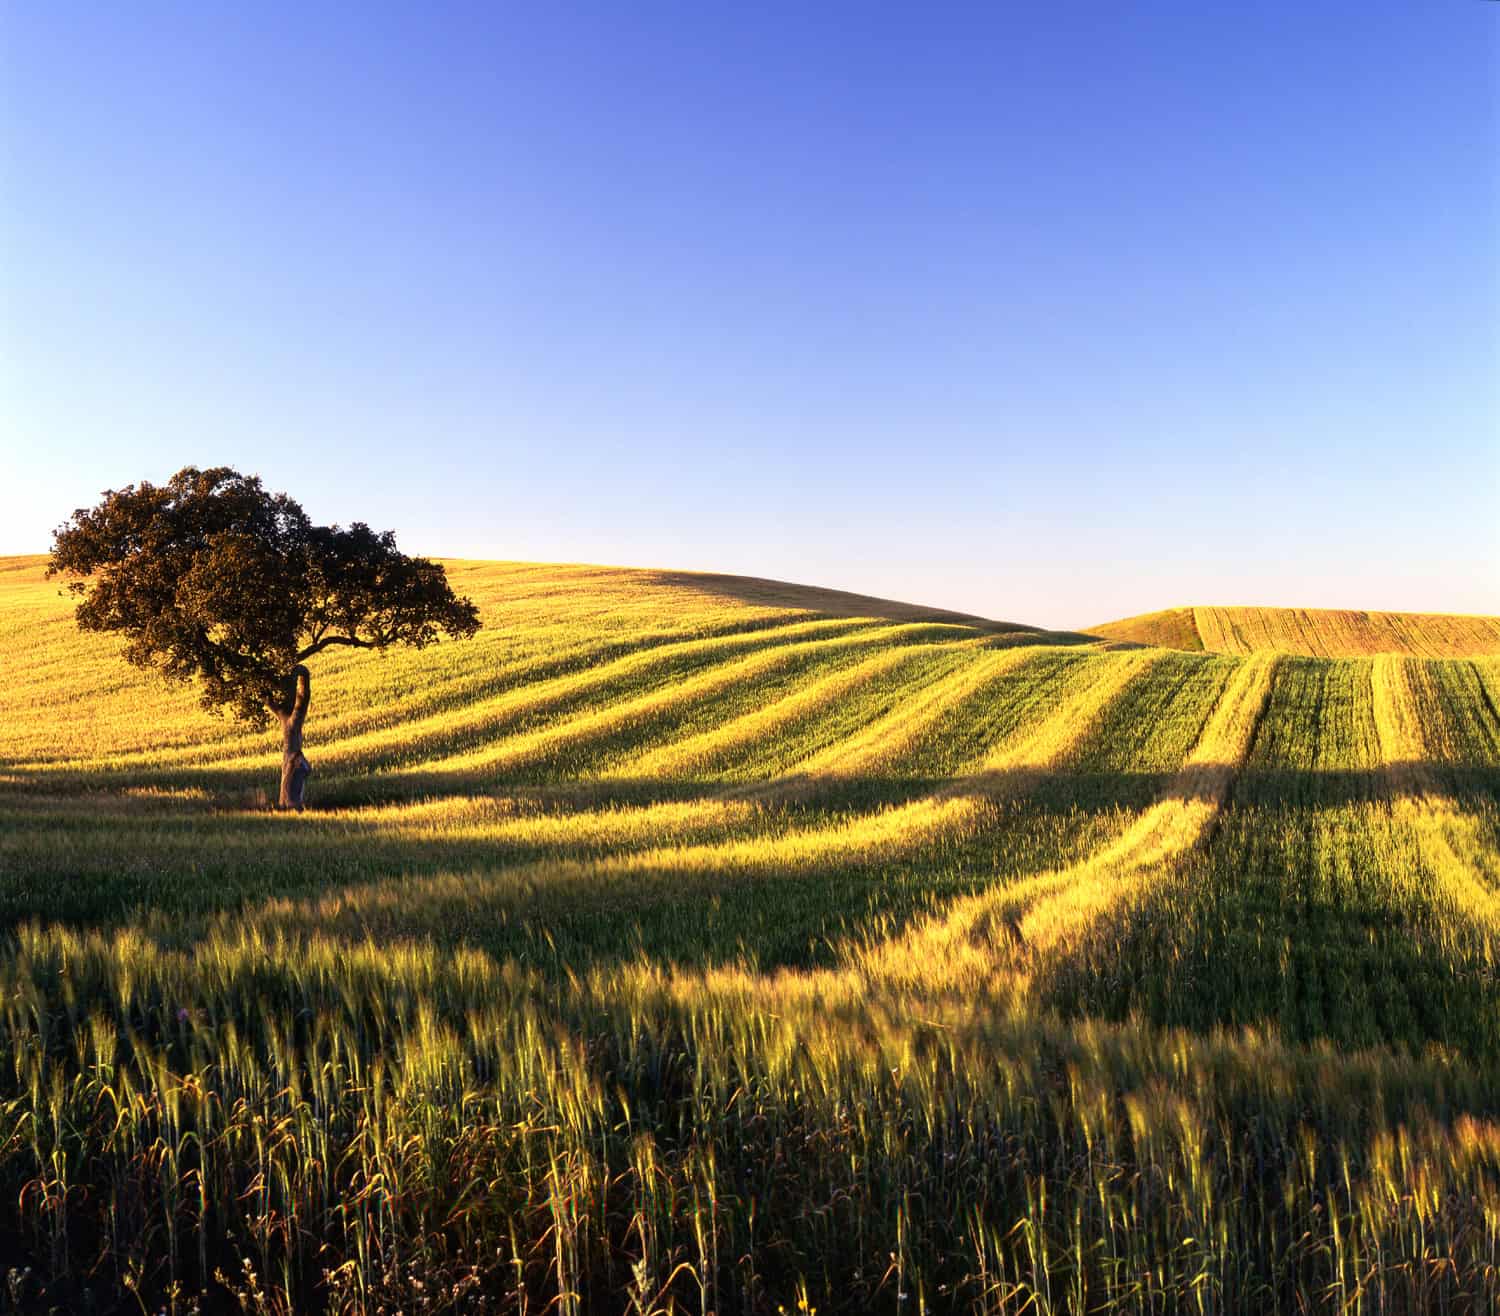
(1312, 632)
(686, 943)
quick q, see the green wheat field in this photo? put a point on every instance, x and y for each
(692, 944)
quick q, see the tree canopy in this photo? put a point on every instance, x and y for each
(212, 579)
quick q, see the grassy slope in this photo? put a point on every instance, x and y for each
(652, 885)
(1311, 632)
(1173, 628)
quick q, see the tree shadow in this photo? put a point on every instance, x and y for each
(1254, 952)
(207, 788)
(177, 865)
(105, 854)
(109, 857)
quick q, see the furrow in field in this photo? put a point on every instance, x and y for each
(656, 707)
(596, 687)
(1001, 724)
(396, 694)
(1006, 770)
(1053, 741)
(780, 756)
(486, 820)
(1216, 631)
(1177, 823)
(884, 739)
(1310, 910)
(729, 808)
(552, 820)
(442, 735)
(1486, 724)
(957, 805)
(946, 730)
(1005, 931)
(1454, 847)
(472, 676)
(708, 750)
(1468, 731)
(772, 846)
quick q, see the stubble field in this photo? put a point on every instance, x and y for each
(699, 944)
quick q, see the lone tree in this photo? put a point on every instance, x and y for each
(211, 578)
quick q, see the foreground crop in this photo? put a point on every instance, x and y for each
(677, 948)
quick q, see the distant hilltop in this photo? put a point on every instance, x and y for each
(1314, 632)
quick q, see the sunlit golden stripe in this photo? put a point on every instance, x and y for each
(962, 807)
(582, 726)
(1055, 739)
(998, 931)
(1170, 827)
(461, 818)
(415, 739)
(886, 737)
(708, 746)
(1454, 847)
(124, 720)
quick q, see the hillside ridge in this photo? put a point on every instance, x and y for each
(1240, 630)
(757, 591)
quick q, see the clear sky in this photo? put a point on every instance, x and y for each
(1051, 312)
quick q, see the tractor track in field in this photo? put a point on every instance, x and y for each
(1006, 932)
(1453, 848)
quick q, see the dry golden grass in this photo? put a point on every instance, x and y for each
(688, 943)
(1457, 849)
(1173, 628)
(1314, 632)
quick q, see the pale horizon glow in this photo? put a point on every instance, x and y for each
(1051, 315)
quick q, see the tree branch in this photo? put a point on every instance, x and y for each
(334, 639)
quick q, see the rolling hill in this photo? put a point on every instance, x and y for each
(1313, 632)
(687, 942)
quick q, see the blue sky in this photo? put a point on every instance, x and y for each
(1050, 312)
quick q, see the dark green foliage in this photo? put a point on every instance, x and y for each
(211, 578)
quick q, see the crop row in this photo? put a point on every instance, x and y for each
(670, 950)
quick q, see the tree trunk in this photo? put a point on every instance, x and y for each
(293, 713)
